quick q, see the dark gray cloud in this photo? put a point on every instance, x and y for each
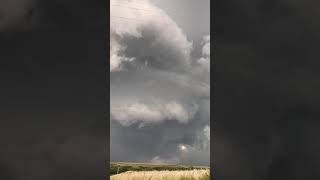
(159, 90)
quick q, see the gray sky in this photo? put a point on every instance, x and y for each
(193, 16)
(160, 81)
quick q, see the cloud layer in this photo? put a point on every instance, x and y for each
(154, 79)
(158, 35)
(151, 113)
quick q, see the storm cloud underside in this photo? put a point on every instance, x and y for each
(160, 93)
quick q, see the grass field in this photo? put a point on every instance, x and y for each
(142, 171)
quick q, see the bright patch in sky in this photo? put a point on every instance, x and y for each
(183, 147)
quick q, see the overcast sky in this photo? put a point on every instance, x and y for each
(160, 81)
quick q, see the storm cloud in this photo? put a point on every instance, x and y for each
(155, 81)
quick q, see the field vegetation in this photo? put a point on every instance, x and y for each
(196, 174)
(141, 171)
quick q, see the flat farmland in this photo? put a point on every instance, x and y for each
(150, 171)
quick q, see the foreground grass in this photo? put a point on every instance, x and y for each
(121, 167)
(196, 174)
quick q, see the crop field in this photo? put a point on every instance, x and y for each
(142, 171)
